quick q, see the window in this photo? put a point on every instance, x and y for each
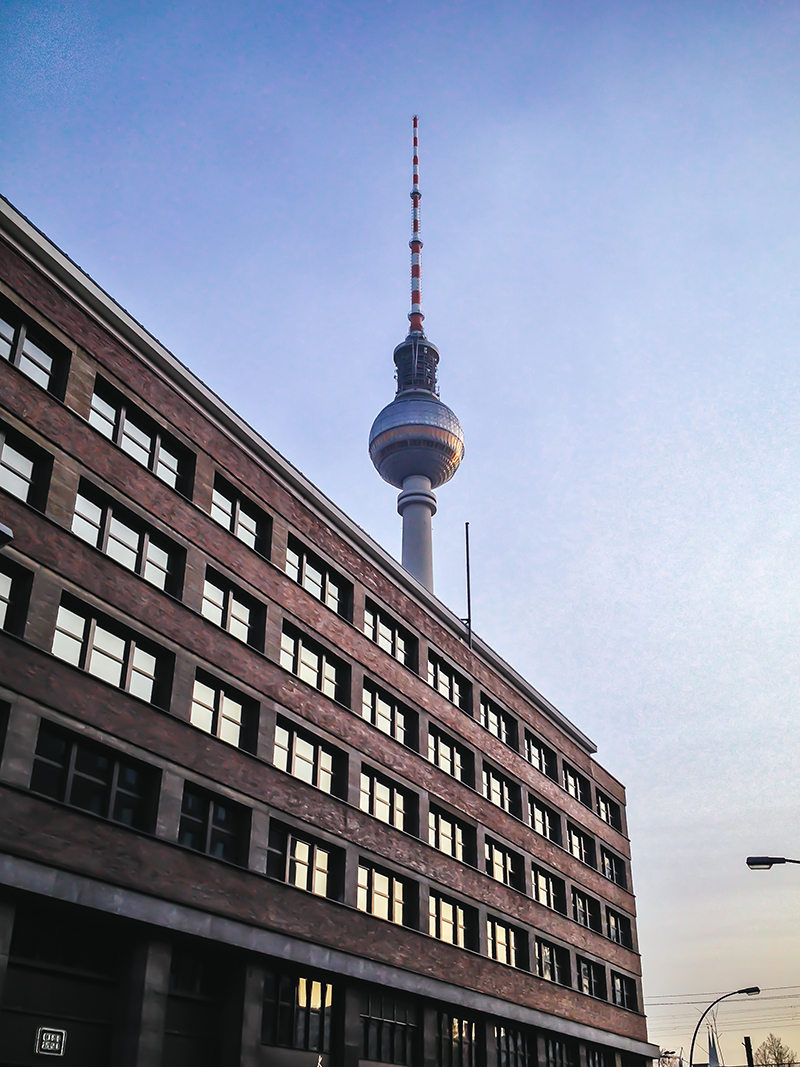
(112, 529)
(457, 1042)
(613, 867)
(542, 757)
(213, 824)
(500, 791)
(303, 862)
(28, 347)
(623, 991)
(451, 922)
(24, 469)
(560, 1053)
(505, 944)
(576, 785)
(303, 756)
(388, 715)
(381, 894)
(447, 681)
(228, 607)
(222, 712)
(15, 588)
(296, 1012)
(549, 890)
(379, 797)
(135, 433)
(451, 836)
(596, 1056)
(609, 811)
(94, 778)
(504, 865)
(591, 978)
(498, 722)
(449, 756)
(552, 962)
(581, 845)
(544, 820)
(513, 1048)
(586, 910)
(311, 663)
(388, 1029)
(619, 928)
(243, 519)
(110, 653)
(318, 578)
(390, 636)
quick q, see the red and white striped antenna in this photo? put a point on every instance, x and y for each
(415, 316)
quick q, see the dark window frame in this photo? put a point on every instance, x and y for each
(517, 942)
(390, 1028)
(511, 791)
(259, 538)
(555, 890)
(461, 756)
(591, 978)
(547, 762)
(619, 928)
(25, 329)
(410, 721)
(41, 463)
(508, 727)
(341, 682)
(333, 767)
(623, 991)
(409, 654)
(555, 958)
(512, 864)
(613, 867)
(608, 810)
(231, 593)
(459, 688)
(213, 803)
(292, 1024)
(329, 576)
(467, 921)
(410, 801)
(280, 856)
(469, 835)
(576, 784)
(248, 723)
(457, 1041)
(14, 606)
(586, 910)
(550, 818)
(587, 846)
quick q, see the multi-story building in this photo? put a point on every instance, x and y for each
(260, 801)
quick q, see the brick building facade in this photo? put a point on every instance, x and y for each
(261, 804)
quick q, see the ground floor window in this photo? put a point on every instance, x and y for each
(297, 1012)
(389, 1029)
(457, 1043)
(514, 1048)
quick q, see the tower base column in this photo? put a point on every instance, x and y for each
(417, 506)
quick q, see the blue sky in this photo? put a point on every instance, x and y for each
(611, 273)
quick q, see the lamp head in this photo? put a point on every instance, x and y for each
(751, 990)
(763, 863)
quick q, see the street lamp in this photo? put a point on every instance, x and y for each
(751, 991)
(763, 863)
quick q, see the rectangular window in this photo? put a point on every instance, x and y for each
(228, 607)
(390, 635)
(549, 890)
(513, 1048)
(505, 944)
(313, 664)
(223, 712)
(304, 862)
(214, 825)
(545, 821)
(542, 757)
(560, 1052)
(25, 345)
(613, 867)
(24, 469)
(504, 865)
(111, 653)
(118, 419)
(381, 894)
(94, 778)
(451, 922)
(500, 791)
(591, 978)
(305, 757)
(318, 579)
(450, 757)
(552, 962)
(619, 928)
(451, 836)
(609, 811)
(581, 845)
(498, 722)
(447, 681)
(241, 517)
(115, 531)
(385, 801)
(15, 588)
(623, 991)
(296, 1012)
(576, 785)
(586, 910)
(388, 715)
(457, 1042)
(388, 1029)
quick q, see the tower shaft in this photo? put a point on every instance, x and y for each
(416, 505)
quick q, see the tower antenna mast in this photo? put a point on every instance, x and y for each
(415, 316)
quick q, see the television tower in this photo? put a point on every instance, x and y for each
(416, 443)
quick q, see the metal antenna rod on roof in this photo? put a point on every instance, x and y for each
(415, 316)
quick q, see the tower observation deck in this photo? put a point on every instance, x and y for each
(416, 442)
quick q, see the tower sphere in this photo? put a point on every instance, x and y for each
(416, 435)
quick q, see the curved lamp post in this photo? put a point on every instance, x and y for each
(763, 863)
(750, 991)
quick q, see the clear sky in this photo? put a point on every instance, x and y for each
(611, 272)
